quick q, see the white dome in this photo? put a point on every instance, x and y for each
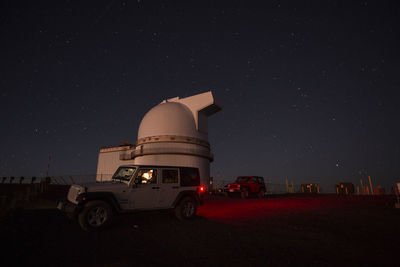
(170, 118)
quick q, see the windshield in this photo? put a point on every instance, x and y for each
(124, 173)
(243, 179)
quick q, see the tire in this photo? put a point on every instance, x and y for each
(186, 209)
(244, 193)
(96, 215)
(261, 194)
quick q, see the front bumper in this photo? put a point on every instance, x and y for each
(71, 209)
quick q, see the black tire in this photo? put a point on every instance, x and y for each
(96, 215)
(244, 193)
(186, 209)
(261, 194)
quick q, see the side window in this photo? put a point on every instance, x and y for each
(169, 176)
(124, 173)
(190, 176)
(146, 176)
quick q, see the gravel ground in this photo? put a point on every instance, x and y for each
(283, 231)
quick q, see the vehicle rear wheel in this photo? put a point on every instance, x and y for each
(244, 193)
(261, 194)
(96, 215)
(186, 209)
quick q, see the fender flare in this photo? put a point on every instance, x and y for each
(187, 193)
(104, 196)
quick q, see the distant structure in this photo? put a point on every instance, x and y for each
(379, 191)
(396, 191)
(310, 188)
(289, 187)
(344, 189)
(173, 133)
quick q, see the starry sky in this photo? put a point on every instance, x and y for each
(309, 89)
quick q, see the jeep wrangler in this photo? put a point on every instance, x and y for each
(135, 188)
(245, 186)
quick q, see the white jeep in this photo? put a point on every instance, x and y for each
(135, 188)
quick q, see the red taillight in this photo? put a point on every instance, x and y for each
(201, 189)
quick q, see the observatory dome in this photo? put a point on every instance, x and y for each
(170, 118)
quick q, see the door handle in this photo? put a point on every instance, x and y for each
(155, 187)
(175, 187)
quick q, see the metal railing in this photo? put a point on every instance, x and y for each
(55, 179)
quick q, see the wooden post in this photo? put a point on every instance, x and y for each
(362, 187)
(370, 184)
(287, 186)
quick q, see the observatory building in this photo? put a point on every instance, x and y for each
(173, 133)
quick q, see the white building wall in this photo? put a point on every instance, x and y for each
(108, 163)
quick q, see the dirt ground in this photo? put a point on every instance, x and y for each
(279, 231)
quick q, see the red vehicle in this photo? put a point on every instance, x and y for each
(247, 185)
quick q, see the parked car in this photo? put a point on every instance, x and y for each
(246, 186)
(135, 188)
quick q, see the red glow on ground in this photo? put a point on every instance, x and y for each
(237, 211)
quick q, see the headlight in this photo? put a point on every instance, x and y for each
(74, 192)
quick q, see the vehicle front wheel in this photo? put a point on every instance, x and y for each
(244, 193)
(95, 216)
(186, 209)
(261, 194)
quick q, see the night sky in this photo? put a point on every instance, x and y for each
(309, 89)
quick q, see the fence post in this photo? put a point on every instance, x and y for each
(28, 193)
(11, 179)
(370, 184)
(21, 179)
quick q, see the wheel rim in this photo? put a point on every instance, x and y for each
(97, 216)
(188, 209)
